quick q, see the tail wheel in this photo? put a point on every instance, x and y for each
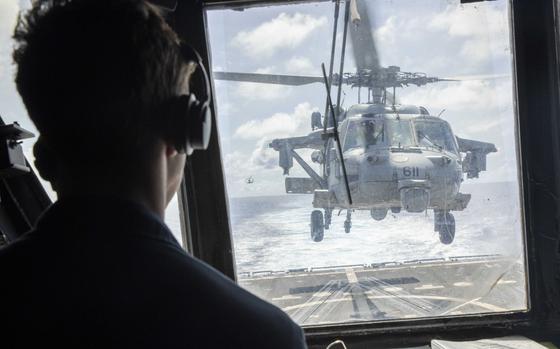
(447, 229)
(317, 226)
(347, 226)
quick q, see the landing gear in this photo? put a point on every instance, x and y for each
(317, 226)
(328, 217)
(395, 210)
(348, 221)
(444, 223)
(378, 214)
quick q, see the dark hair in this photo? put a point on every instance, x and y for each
(93, 75)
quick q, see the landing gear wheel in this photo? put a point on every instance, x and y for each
(446, 228)
(378, 214)
(328, 217)
(348, 222)
(317, 226)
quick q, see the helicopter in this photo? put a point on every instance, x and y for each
(377, 155)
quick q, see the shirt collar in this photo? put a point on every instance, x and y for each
(103, 215)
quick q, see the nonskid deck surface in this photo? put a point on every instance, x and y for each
(423, 288)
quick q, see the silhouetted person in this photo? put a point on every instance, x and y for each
(101, 80)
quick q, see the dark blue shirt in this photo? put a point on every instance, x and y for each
(108, 273)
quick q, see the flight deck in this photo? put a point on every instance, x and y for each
(385, 291)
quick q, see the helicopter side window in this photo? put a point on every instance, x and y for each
(352, 136)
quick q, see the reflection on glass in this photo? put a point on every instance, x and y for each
(435, 226)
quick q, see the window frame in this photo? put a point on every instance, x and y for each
(536, 91)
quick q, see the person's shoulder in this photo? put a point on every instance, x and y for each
(20, 248)
(243, 317)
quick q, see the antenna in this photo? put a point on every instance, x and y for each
(337, 139)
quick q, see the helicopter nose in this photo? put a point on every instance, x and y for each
(372, 159)
(414, 195)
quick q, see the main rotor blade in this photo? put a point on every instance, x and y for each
(291, 80)
(363, 45)
(477, 77)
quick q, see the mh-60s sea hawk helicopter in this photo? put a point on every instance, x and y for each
(378, 155)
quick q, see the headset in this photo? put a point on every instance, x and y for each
(190, 118)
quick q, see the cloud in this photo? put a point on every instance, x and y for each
(8, 16)
(263, 156)
(301, 66)
(466, 96)
(484, 126)
(457, 38)
(284, 31)
(484, 30)
(387, 33)
(468, 21)
(278, 125)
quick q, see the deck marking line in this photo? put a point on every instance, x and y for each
(286, 298)
(351, 276)
(429, 287)
(505, 282)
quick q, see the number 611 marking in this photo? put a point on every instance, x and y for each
(411, 171)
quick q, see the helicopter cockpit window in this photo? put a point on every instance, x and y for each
(430, 232)
(363, 133)
(400, 133)
(434, 134)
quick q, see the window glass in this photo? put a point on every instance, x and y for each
(363, 133)
(13, 110)
(434, 133)
(400, 133)
(430, 232)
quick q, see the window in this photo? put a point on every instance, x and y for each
(400, 132)
(363, 134)
(13, 110)
(435, 133)
(434, 230)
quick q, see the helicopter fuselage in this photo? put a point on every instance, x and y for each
(396, 158)
(392, 164)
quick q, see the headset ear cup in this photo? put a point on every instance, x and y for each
(199, 124)
(206, 125)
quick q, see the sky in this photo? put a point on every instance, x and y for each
(438, 37)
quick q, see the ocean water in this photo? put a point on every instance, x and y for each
(273, 233)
